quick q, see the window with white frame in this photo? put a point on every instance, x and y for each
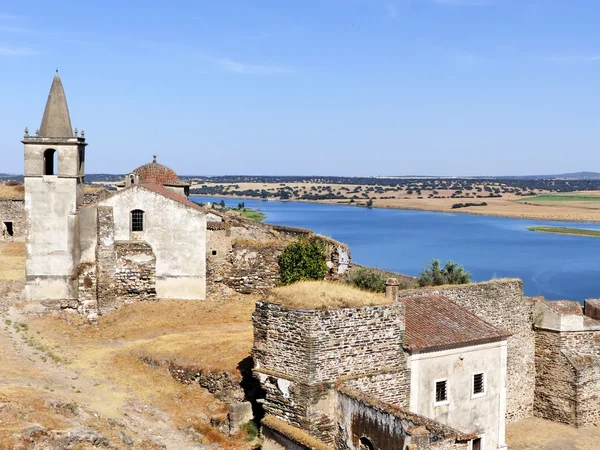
(479, 387)
(137, 220)
(441, 392)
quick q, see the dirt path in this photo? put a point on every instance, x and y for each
(538, 434)
(31, 365)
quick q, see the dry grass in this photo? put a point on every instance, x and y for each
(274, 243)
(324, 295)
(12, 192)
(538, 434)
(212, 336)
(296, 434)
(12, 261)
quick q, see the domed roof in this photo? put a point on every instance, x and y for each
(154, 173)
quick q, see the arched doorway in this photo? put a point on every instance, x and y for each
(50, 162)
(366, 444)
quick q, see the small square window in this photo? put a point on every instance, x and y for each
(478, 384)
(214, 252)
(441, 391)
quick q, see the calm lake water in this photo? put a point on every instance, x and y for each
(557, 267)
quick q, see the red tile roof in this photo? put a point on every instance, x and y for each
(434, 322)
(154, 173)
(170, 194)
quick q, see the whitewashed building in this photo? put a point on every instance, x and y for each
(457, 364)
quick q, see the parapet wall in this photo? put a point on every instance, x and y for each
(501, 303)
(320, 346)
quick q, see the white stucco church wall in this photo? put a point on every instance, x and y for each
(176, 233)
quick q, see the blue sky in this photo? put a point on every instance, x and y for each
(338, 87)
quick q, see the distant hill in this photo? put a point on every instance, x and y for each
(561, 176)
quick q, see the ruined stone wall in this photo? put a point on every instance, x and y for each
(254, 267)
(588, 391)
(135, 271)
(300, 354)
(388, 428)
(501, 303)
(105, 259)
(567, 376)
(243, 255)
(12, 219)
(392, 388)
(555, 393)
(87, 282)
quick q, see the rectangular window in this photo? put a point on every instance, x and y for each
(441, 391)
(478, 384)
(137, 220)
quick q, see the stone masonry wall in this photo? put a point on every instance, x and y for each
(568, 376)
(243, 255)
(135, 271)
(389, 428)
(588, 391)
(299, 354)
(87, 285)
(392, 388)
(105, 259)
(501, 303)
(555, 393)
(12, 211)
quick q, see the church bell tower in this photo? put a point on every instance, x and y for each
(54, 176)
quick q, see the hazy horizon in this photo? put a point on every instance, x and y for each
(322, 87)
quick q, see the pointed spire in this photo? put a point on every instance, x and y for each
(56, 121)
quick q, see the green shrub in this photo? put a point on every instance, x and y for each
(436, 275)
(367, 279)
(302, 260)
(251, 429)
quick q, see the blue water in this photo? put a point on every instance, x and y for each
(557, 267)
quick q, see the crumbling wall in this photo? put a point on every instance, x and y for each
(12, 220)
(105, 259)
(555, 393)
(135, 271)
(389, 428)
(244, 255)
(300, 354)
(87, 282)
(501, 303)
(567, 376)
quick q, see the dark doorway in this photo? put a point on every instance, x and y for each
(8, 226)
(366, 444)
(477, 444)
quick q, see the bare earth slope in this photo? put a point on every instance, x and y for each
(65, 383)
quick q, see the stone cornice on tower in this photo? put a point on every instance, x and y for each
(56, 122)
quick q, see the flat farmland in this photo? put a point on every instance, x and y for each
(500, 199)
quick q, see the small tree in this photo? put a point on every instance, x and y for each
(222, 204)
(436, 275)
(302, 260)
(370, 203)
(241, 205)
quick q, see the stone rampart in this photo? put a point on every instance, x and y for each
(501, 303)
